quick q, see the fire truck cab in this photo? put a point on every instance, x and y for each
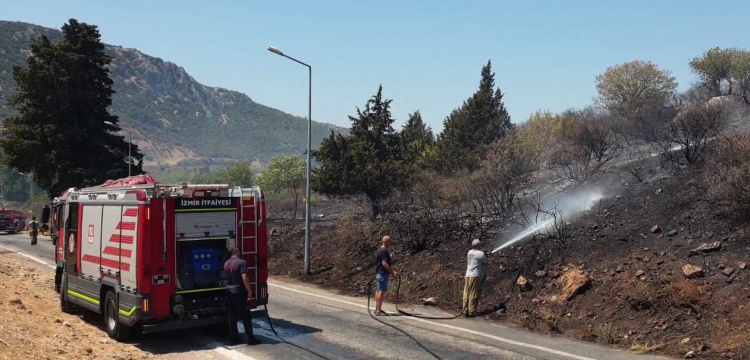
(12, 221)
(150, 257)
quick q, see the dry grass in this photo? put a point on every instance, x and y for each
(527, 320)
(32, 326)
(607, 333)
(683, 292)
(645, 348)
(734, 331)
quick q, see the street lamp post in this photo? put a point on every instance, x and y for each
(130, 142)
(130, 145)
(30, 177)
(31, 192)
(309, 141)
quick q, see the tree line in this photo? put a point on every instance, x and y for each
(64, 135)
(375, 158)
(473, 175)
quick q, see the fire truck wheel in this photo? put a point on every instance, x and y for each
(115, 329)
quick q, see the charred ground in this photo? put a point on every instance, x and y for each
(617, 276)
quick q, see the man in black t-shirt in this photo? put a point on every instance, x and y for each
(382, 272)
(239, 291)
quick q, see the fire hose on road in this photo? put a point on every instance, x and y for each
(398, 289)
(270, 324)
(369, 295)
(369, 312)
(404, 313)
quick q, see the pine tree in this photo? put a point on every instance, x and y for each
(63, 97)
(368, 161)
(471, 129)
(418, 142)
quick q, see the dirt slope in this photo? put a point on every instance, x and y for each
(614, 281)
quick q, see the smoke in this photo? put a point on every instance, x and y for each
(565, 208)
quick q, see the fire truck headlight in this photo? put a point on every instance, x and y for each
(178, 309)
(178, 298)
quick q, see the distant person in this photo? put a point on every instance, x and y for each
(475, 261)
(239, 292)
(33, 228)
(383, 270)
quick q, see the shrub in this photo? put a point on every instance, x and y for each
(588, 145)
(282, 207)
(727, 175)
(357, 236)
(438, 210)
(690, 133)
(507, 171)
(543, 133)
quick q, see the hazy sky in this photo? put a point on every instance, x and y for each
(427, 54)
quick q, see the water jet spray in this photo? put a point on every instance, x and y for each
(567, 207)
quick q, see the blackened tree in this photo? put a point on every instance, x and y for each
(64, 134)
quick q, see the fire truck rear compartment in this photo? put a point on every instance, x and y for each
(201, 278)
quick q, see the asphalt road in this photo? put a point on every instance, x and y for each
(339, 327)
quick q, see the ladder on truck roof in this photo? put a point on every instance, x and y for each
(256, 194)
(152, 190)
(157, 189)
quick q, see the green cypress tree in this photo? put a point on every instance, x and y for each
(418, 142)
(63, 98)
(368, 161)
(471, 129)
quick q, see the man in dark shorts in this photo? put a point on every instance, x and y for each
(382, 272)
(239, 291)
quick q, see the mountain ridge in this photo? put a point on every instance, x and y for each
(173, 118)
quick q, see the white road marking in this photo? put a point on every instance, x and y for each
(469, 331)
(220, 348)
(32, 257)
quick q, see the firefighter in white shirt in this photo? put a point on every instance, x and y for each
(475, 260)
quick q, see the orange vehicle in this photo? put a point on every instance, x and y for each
(12, 221)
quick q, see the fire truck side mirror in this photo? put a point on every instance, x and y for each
(45, 214)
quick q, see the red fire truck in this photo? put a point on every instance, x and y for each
(12, 221)
(150, 257)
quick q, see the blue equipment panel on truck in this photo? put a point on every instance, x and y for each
(204, 260)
